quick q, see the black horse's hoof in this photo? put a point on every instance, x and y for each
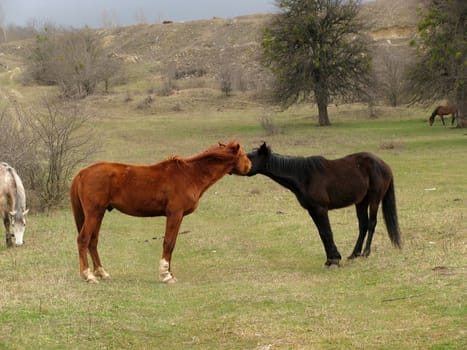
(331, 263)
(354, 256)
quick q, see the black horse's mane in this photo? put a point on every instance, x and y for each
(298, 165)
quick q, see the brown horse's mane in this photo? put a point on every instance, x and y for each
(217, 151)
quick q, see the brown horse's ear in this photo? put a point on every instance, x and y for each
(236, 148)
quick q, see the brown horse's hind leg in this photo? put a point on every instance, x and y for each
(362, 215)
(371, 227)
(90, 227)
(173, 223)
(98, 269)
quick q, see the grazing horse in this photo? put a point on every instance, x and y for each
(12, 204)
(321, 185)
(442, 111)
(171, 188)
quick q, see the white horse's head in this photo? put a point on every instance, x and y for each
(19, 225)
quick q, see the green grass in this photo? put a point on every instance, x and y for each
(250, 264)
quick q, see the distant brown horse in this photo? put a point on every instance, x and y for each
(442, 111)
(171, 188)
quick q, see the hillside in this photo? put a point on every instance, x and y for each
(198, 52)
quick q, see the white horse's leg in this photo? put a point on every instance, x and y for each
(164, 274)
(8, 235)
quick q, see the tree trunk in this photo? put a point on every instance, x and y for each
(322, 101)
(461, 104)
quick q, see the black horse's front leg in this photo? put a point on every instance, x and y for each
(321, 219)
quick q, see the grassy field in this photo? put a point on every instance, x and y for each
(249, 261)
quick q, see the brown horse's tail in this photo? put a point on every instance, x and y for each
(78, 212)
(390, 215)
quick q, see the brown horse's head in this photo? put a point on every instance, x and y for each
(242, 164)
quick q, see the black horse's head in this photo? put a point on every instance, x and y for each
(258, 158)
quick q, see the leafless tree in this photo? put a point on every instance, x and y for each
(392, 77)
(46, 144)
(75, 60)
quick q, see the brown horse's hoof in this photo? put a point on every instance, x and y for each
(89, 277)
(172, 280)
(100, 272)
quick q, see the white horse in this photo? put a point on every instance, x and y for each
(12, 204)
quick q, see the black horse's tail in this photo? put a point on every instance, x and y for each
(390, 215)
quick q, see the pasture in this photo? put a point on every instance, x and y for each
(249, 261)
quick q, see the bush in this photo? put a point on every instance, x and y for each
(75, 60)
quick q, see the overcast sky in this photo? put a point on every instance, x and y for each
(97, 13)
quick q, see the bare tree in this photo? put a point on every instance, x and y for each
(392, 77)
(47, 143)
(2, 23)
(75, 60)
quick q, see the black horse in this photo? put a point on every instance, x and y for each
(321, 185)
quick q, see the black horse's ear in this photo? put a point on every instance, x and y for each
(264, 148)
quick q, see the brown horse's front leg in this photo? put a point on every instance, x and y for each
(442, 119)
(174, 220)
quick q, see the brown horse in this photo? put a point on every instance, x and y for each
(171, 188)
(321, 185)
(442, 111)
